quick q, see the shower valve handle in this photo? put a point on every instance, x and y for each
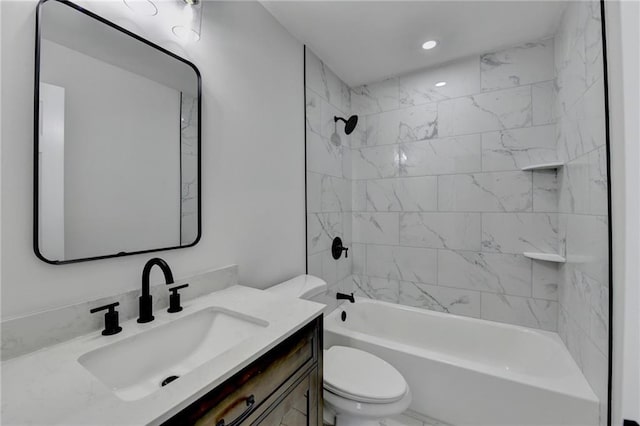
(337, 248)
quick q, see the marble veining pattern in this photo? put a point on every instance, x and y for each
(329, 172)
(502, 109)
(516, 66)
(486, 192)
(440, 208)
(583, 282)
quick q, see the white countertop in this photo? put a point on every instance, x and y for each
(50, 386)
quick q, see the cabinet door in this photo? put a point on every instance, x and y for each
(292, 409)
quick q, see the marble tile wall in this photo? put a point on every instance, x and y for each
(328, 174)
(441, 209)
(583, 221)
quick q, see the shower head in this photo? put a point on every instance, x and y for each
(349, 125)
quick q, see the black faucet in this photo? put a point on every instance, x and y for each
(349, 297)
(146, 304)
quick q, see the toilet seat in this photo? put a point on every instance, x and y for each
(362, 377)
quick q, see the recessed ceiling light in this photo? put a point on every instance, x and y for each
(441, 83)
(142, 7)
(428, 45)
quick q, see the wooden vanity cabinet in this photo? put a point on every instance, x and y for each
(283, 387)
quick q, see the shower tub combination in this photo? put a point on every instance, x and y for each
(467, 371)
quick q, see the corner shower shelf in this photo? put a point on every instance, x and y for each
(544, 166)
(547, 257)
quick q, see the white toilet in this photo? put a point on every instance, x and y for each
(360, 389)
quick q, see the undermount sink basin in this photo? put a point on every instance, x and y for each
(139, 365)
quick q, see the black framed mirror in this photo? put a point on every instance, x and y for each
(117, 140)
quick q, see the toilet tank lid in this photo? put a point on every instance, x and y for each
(302, 287)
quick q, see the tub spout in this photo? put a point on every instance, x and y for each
(349, 297)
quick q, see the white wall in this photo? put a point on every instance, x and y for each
(623, 39)
(253, 153)
(121, 156)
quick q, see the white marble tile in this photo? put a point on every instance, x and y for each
(545, 191)
(570, 70)
(490, 272)
(587, 246)
(543, 103)
(570, 334)
(461, 76)
(520, 232)
(575, 292)
(440, 230)
(376, 288)
(327, 193)
(329, 268)
(461, 154)
(485, 192)
(599, 320)
(314, 264)
(322, 228)
(375, 162)
(313, 112)
(524, 311)
(313, 192)
(545, 277)
(593, 42)
(358, 253)
(503, 109)
(518, 148)
(376, 97)
(516, 66)
(359, 135)
(402, 194)
(329, 128)
(441, 299)
(325, 83)
(573, 186)
(313, 77)
(359, 195)
(598, 187)
(582, 127)
(375, 228)
(347, 163)
(323, 156)
(402, 125)
(347, 228)
(595, 369)
(401, 263)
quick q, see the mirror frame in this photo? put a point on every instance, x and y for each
(36, 115)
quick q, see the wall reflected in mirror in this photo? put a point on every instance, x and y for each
(117, 141)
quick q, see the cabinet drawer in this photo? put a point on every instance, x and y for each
(243, 395)
(292, 409)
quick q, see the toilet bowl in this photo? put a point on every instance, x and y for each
(360, 389)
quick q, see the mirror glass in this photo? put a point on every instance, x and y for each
(117, 141)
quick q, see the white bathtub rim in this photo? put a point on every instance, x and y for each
(576, 387)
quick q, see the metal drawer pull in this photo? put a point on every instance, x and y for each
(251, 401)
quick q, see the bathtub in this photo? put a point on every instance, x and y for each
(466, 371)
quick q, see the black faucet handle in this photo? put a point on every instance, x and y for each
(174, 298)
(111, 318)
(110, 307)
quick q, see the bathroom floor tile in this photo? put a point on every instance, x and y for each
(401, 420)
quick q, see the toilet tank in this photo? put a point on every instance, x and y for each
(305, 287)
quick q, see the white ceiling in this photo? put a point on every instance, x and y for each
(367, 41)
